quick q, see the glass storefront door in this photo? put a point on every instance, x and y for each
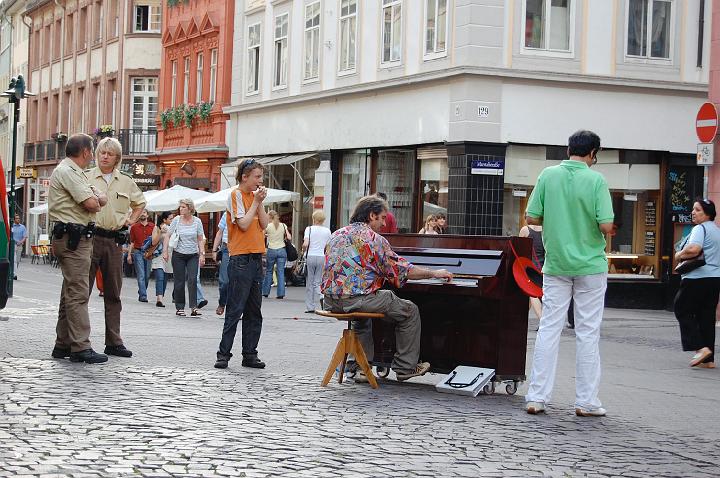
(395, 176)
(353, 182)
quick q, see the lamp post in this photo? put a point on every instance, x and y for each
(15, 92)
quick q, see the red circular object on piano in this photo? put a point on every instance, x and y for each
(528, 277)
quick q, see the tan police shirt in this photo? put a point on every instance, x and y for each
(123, 194)
(69, 187)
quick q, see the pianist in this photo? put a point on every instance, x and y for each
(358, 262)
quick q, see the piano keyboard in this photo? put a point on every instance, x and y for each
(457, 282)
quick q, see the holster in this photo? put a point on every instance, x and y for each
(58, 230)
(122, 236)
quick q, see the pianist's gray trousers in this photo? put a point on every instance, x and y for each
(403, 313)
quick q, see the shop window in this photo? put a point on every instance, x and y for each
(649, 28)
(433, 186)
(353, 182)
(632, 246)
(395, 176)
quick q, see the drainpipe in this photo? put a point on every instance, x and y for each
(61, 93)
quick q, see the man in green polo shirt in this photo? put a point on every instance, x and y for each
(573, 205)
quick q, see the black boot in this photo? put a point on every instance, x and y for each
(222, 360)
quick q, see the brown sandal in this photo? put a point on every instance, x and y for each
(195, 313)
(220, 310)
(180, 312)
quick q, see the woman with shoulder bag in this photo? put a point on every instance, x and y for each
(697, 298)
(276, 233)
(316, 238)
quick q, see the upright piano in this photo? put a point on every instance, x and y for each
(479, 319)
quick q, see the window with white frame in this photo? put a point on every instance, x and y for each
(253, 80)
(648, 28)
(547, 25)
(281, 50)
(199, 78)
(147, 17)
(213, 73)
(348, 34)
(312, 41)
(435, 27)
(391, 30)
(173, 85)
(144, 102)
(186, 80)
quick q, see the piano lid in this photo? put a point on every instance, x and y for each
(463, 262)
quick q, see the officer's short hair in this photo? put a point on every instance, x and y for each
(77, 143)
(111, 145)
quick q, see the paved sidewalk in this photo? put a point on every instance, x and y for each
(167, 412)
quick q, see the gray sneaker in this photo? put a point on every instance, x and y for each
(533, 408)
(421, 369)
(590, 412)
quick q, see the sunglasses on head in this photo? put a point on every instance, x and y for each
(245, 164)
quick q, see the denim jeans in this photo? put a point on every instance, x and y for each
(279, 257)
(160, 283)
(185, 268)
(223, 275)
(142, 271)
(244, 301)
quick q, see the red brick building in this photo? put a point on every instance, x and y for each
(194, 87)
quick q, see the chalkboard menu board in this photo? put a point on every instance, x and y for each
(649, 243)
(650, 213)
(683, 184)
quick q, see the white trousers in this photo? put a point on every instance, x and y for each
(589, 295)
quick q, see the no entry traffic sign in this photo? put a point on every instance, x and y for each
(706, 123)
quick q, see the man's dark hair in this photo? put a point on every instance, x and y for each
(77, 143)
(382, 196)
(708, 207)
(165, 215)
(366, 206)
(582, 143)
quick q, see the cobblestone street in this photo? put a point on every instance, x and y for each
(167, 412)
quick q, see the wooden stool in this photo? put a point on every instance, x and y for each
(349, 344)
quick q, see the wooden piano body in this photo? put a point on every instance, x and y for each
(481, 320)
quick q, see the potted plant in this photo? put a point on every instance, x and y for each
(104, 131)
(59, 137)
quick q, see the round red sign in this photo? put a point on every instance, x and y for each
(706, 123)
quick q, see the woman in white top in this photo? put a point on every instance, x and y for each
(276, 233)
(430, 226)
(158, 263)
(316, 238)
(188, 255)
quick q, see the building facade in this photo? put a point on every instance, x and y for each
(14, 36)
(456, 106)
(195, 86)
(94, 66)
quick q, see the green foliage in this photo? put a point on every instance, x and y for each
(176, 116)
(166, 118)
(204, 110)
(191, 111)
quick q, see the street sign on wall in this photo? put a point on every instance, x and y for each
(706, 123)
(25, 173)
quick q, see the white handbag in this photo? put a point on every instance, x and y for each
(174, 238)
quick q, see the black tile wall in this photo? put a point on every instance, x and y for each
(475, 200)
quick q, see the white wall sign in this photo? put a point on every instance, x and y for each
(705, 154)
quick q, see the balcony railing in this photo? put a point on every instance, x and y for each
(43, 151)
(138, 141)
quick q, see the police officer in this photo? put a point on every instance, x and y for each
(111, 233)
(72, 204)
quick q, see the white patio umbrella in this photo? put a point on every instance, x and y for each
(37, 210)
(218, 201)
(169, 199)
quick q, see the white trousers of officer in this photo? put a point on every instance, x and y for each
(589, 294)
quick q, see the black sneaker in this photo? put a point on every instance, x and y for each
(202, 304)
(143, 299)
(88, 356)
(59, 352)
(118, 351)
(252, 362)
(222, 360)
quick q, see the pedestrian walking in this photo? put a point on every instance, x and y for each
(19, 236)
(276, 232)
(139, 232)
(315, 240)
(188, 255)
(72, 205)
(158, 264)
(573, 205)
(247, 221)
(125, 205)
(221, 257)
(696, 300)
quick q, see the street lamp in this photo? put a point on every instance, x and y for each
(15, 92)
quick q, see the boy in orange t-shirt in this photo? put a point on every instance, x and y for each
(246, 225)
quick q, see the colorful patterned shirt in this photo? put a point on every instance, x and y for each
(358, 261)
